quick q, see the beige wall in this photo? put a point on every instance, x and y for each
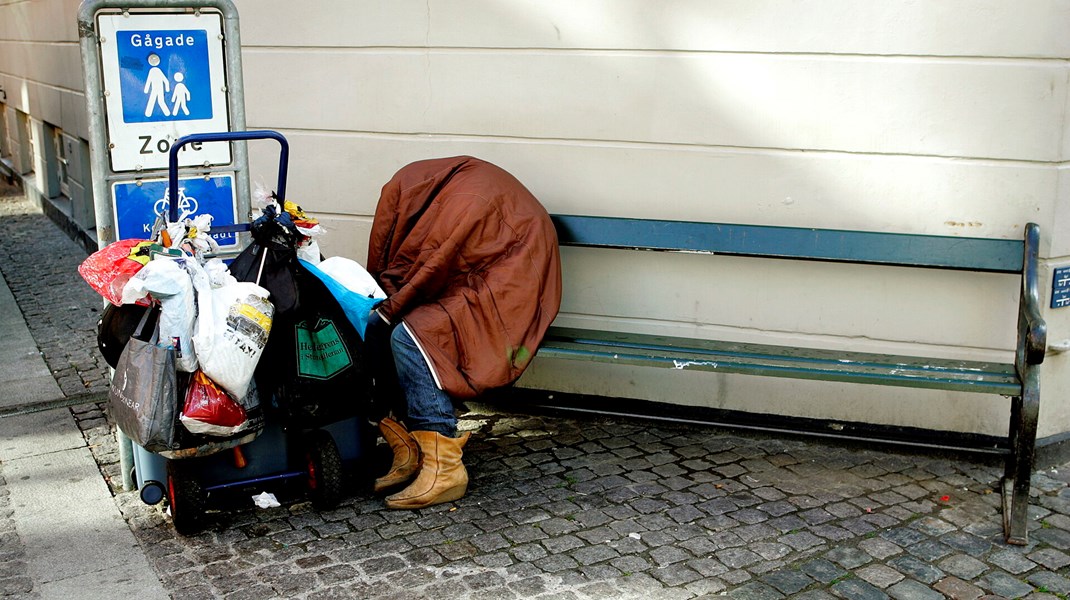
(41, 78)
(927, 117)
(939, 116)
(40, 67)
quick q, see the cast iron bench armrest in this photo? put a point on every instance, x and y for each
(1032, 330)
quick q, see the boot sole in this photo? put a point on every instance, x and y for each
(454, 493)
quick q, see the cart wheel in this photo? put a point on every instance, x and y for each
(187, 500)
(324, 471)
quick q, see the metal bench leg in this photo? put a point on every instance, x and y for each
(1024, 414)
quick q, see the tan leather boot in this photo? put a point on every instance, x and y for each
(406, 455)
(442, 477)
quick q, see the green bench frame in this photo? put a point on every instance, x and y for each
(1019, 381)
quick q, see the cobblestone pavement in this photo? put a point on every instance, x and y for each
(571, 507)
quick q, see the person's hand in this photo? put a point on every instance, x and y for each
(375, 312)
(378, 328)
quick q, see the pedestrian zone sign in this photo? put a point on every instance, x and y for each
(187, 60)
(139, 203)
(164, 78)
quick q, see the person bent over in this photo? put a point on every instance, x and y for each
(469, 261)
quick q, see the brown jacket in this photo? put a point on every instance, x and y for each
(469, 261)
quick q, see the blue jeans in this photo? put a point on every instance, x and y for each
(429, 408)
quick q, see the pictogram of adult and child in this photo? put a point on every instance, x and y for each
(157, 85)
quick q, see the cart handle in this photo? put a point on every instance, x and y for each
(224, 136)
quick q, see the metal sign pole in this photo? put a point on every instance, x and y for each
(161, 56)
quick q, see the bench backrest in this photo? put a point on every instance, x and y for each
(971, 254)
(897, 249)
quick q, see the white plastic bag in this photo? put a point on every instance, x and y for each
(193, 235)
(352, 276)
(202, 287)
(218, 274)
(233, 332)
(169, 283)
(199, 236)
(266, 500)
(309, 250)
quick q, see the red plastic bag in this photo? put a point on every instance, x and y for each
(211, 411)
(107, 270)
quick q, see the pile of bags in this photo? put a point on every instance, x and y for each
(186, 337)
(313, 367)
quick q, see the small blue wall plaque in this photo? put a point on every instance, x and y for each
(1060, 287)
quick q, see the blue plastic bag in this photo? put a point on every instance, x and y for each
(356, 306)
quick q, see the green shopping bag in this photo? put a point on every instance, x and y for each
(321, 351)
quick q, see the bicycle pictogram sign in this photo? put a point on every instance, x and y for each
(187, 205)
(139, 203)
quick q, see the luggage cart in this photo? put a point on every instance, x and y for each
(293, 461)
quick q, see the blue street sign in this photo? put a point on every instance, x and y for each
(164, 75)
(1060, 287)
(137, 206)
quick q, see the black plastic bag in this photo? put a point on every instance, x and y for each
(117, 325)
(320, 356)
(270, 261)
(271, 267)
(313, 366)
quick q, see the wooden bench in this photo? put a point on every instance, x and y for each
(1018, 380)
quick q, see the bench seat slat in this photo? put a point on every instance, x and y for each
(782, 361)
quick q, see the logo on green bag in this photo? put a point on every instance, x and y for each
(321, 352)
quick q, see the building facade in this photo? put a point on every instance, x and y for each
(947, 118)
